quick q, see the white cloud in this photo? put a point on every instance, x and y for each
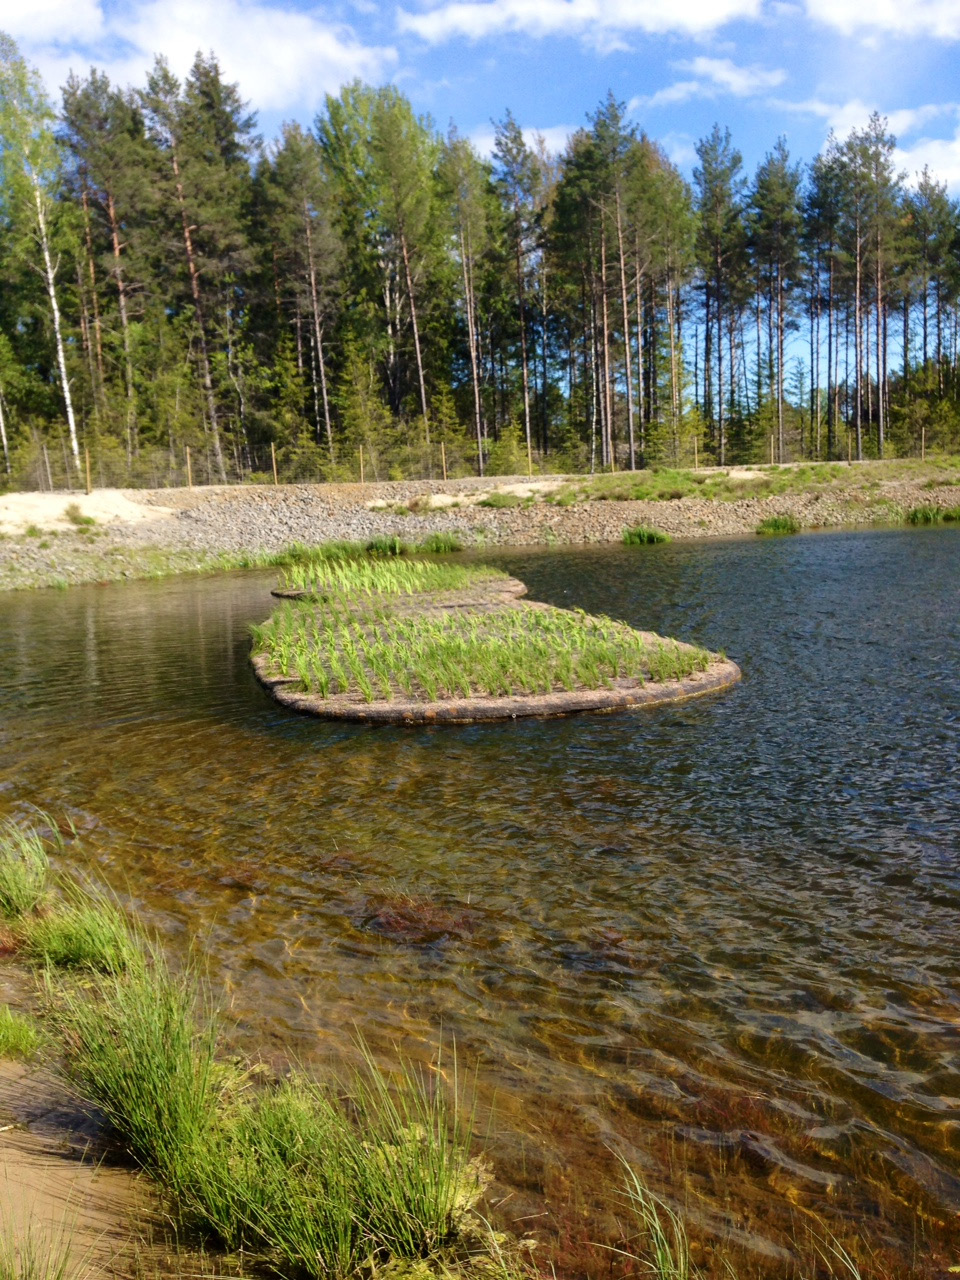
(283, 58)
(939, 18)
(591, 20)
(842, 117)
(41, 20)
(942, 155)
(712, 77)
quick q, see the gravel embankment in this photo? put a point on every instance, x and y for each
(194, 527)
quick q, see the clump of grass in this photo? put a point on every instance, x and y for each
(439, 544)
(33, 531)
(928, 514)
(141, 1046)
(19, 1038)
(382, 656)
(24, 870)
(644, 535)
(779, 524)
(387, 546)
(499, 500)
(76, 517)
(345, 579)
(324, 1180)
(87, 932)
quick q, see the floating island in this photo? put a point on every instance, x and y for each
(403, 641)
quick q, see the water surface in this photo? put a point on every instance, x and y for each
(719, 938)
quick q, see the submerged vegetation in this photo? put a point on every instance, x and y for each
(337, 651)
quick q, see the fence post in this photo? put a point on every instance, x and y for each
(86, 454)
(361, 464)
(443, 458)
(695, 467)
(273, 459)
(189, 470)
(771, 450)
(923, 443)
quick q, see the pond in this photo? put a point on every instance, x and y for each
(719, 939)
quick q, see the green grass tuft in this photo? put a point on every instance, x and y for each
(35, 1255)
(86, 932)
(778, 525)
(933, 515)
(500, 500)
(643, 535)
(387, 546)
(76, 517)
(391, 576)
(24, 870)
(19, 1037)
(141, 1046)
(439, 544)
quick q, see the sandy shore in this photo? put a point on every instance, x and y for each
(144, 533)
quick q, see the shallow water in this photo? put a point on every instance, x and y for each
(719, 938)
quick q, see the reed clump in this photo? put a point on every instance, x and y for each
(460, 654)
(779, 525)
(643, 535)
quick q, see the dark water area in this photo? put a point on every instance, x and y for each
(720, 939)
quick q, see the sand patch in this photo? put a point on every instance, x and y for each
(18, 511)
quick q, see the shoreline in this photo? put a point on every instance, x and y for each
(113, 535)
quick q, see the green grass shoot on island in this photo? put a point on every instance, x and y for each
(781, 524)
(643, 535)
(381, 657)
(19, 1035)
(345, 579)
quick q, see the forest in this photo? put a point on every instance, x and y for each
(181, 299)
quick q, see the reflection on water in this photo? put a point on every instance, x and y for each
(719, 938)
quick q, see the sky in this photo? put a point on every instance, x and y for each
(765, 68)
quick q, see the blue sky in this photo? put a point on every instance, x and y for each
(763, 67)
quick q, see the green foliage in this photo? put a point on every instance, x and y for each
(643, 535)
(779, 524)
(35, 1255)
(24, 870)
(508, 455)
(19, 1038)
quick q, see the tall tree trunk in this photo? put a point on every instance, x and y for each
(472, 340)
(132, 434)
(94, 300)
(3, 436)
(523, 340)
(780, 442)
(404, 249)
(50, 278)
(318, 330)
(880, 346)
(626, 338)
(607, 398)
(201, 327)
(858, 345)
